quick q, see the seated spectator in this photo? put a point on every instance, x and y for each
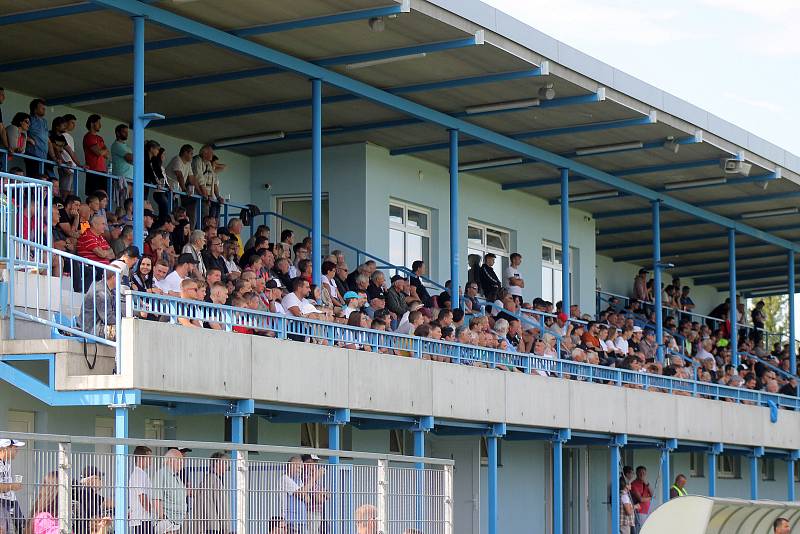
(98, 315)
(195, 246)
(375, 288)
(188, 291)
(397, 298)
(92, 245)
(330, 291)
(471, 305)
(142, 279)
(171, 285)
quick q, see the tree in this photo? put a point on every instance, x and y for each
(775, 317)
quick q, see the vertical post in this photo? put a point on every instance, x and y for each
(316, 180)
(339, 417)
(383, 496)
(64, 488)
(120, 468)
(657, 280)
(558, 492)
(565, 261)
(757, 453)
(455, 245)
(668, 446)
(716, 450)
(614, 461)
(732, 295)
(448, 500)
(790, 460)
(424, 425)
(792, 346)
(491, 448)
(138, 132)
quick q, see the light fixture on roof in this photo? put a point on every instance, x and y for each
(489, 164)
(695, 183)
(377, 24)
(603, 149)
(547, 92)
(672, 144)
(383, 61)
(247, 139)
(92, 101)
(770, 213)
(503, 106)
(735, 166)
(593, 196)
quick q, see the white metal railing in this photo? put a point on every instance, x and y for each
(80, 484)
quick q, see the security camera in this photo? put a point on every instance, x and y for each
(267, 186)
(377, 24)
(735, 166)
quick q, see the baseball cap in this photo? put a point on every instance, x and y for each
(307, 457)
(562, 317)
(149, 213)
(271, 284)
(397, 277)
(350, 295)
(11, 443)
(637, 328)
(186, 258)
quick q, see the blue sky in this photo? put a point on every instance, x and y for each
(739, 59)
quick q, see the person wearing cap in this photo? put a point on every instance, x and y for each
(8, 484)
(171, 285)
(319, 495)
(352, 303)
(125, 263)
(397, 298)
(489, 281)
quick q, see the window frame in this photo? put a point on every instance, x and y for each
(697, 464)
(735, 463)
(504, 256)
(424, 233)
(557, 267)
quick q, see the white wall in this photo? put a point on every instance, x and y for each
(234, 181)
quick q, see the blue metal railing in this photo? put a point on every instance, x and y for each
(289, 327)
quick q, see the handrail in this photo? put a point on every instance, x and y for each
(285, 327)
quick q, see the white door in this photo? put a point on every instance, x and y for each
(466, 482)
(19, 421)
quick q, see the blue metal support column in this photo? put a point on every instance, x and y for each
(614, 461)
(668, 446)
(339, 417)
(792, 346)
(715, 450)
(732, 296)
(561, 436)
(565, 263)
(316, 181)
(419, 430)
(238, 413)
(455, 242)
(657, 280)
(138, 132)
(757, 453)
(120, 467)
(790, 460)
(497, 431)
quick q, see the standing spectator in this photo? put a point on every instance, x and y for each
(10, 485)
(642, 495)
(627, 517)
(140, 511)
(180, 176)
(759, 321)
(678, 489)
(96, 154)
(640, 286)
(417, 271)
(3, 136)
(18, 133)
(203, 170)
(39, 137)
(169, 495)
(212, 504)
(488, 278)
(513, 278)
(67, 126)
(121, 155)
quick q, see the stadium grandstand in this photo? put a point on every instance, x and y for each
(361, 266)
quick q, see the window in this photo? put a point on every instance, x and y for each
(400, 442)
(485, 451)
(767, 468)
(482, 239)
(729, 466)
(797, 471)
(552, 267)
(409, 234)
(314, 435)
(697, 464)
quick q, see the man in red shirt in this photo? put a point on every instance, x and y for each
(642, 495)
(92, 245)
(96, 152)
(589, 338)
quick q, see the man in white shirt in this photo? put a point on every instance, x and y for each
(171, 285)
(513, 279)
(9, 486)
(621, 342)
(293, 302)
(140, 513)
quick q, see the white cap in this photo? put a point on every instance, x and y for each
(314, 457)
(637, 328)
(4, 443)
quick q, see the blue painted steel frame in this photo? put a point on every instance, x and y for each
(257, 51)
(668, 446)
(715, 450)
(316, 181)
(562, 436)
(138, 132)
(455, 241)
(120, 468)
(753, 457)
(790, 483)
(657, 280)
(565, 261)
(616, 443)
(341, 416)
(732, 296)
(497, 431)
(791, 292)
